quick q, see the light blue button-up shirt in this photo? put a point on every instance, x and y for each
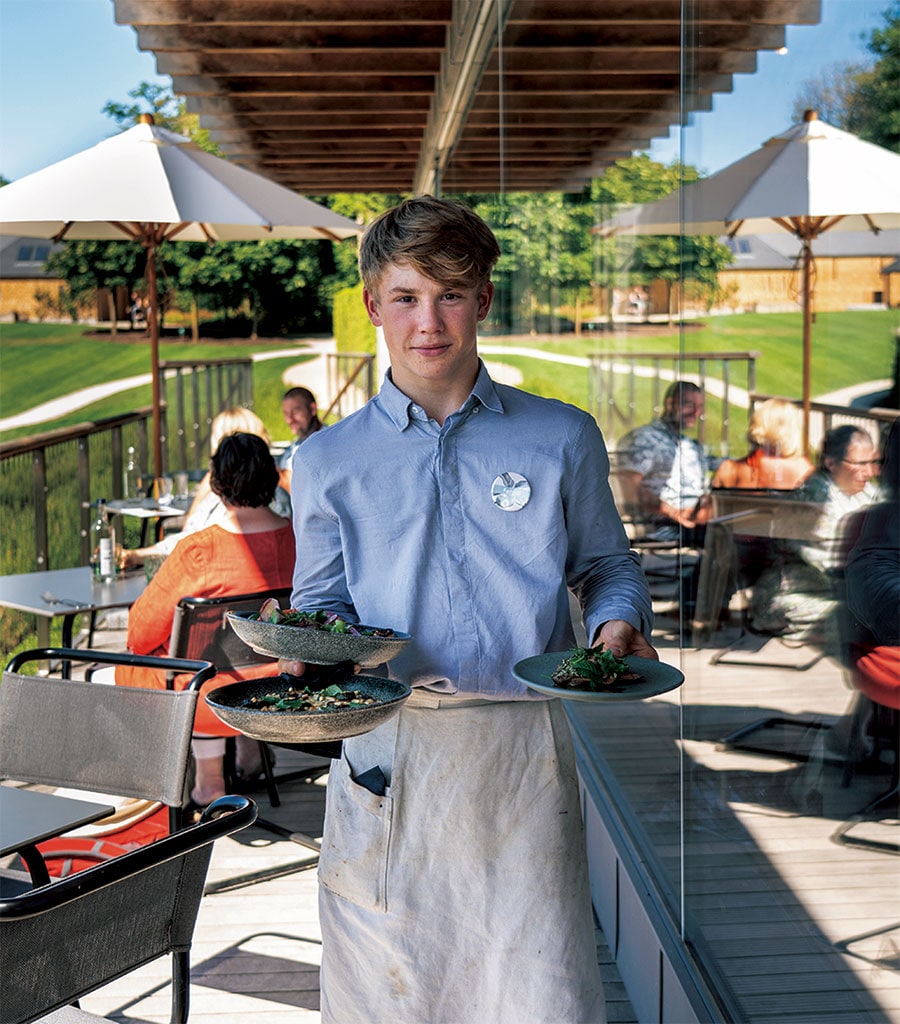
(396, 526)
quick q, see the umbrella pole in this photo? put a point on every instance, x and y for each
(807, 341)
(153, 320)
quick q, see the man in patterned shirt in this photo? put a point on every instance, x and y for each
(663, 473)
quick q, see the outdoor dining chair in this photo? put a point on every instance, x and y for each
(64, 940)
(200, 629)
(98, 738)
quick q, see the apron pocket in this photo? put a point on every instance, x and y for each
(353, 863)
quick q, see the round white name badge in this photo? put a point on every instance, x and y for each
(510, 492)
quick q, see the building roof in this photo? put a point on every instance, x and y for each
(24, 258)
(780, 251)
(405, 95)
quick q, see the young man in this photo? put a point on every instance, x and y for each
(459, 511)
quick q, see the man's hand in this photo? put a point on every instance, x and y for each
(622, 638)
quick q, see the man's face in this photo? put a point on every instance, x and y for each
(856, 469)
(430, 328)
(685, 412)
(298, 415)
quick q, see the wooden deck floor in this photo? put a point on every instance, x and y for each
(790, 925)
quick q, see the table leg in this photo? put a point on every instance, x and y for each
(68, 624)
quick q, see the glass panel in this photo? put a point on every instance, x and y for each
(736, 789)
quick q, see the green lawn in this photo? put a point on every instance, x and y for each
(847, 348)
(39, 362)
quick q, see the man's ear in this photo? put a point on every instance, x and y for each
(485, 298)
(371, 304)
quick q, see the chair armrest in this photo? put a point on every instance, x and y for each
(202, 670)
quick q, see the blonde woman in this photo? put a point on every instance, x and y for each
(776, 460)
(206, 508)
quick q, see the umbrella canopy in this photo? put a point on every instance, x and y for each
(150, 185)
(811, 179)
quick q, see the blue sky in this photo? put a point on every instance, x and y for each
(62, 60)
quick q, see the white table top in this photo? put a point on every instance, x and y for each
(148, 508)
(75, 591)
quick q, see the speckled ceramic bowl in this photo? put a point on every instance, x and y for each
(229, 703)
(315, 646)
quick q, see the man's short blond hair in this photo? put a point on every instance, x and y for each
(444, 240)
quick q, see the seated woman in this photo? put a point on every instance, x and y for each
(775, 460)
(249, 549)
(206, 508)
(794, 595)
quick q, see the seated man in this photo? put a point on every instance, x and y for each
(663, 473)
(298, 407)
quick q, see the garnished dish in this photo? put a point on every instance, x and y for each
(329, 622)
(594, 668)
(315, 636)
(314, 708)
(307, 698)
(596, 675)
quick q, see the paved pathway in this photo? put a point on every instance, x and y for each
(313, 374)
(48, 411)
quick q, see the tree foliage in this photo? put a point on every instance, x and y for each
(862, 99)
(671, 258)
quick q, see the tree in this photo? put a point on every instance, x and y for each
(88, 265)
(168, 110)
(862, 99)
(833, 94)
(545, 261)
(877, 114)
(670, 258)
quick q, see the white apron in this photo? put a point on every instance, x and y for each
(461, 895)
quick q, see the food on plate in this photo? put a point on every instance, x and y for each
(593, 668)
(330, 622)
(307, 698)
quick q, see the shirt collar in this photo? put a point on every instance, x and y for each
(398, 406)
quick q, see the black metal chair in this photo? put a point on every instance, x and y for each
(64, 940)
(98, 738)
(200, 630)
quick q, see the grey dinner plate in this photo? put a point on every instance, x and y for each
(657, 677)
(314, 646)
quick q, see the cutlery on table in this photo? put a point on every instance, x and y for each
(50, 598)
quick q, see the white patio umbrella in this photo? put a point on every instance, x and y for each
(811, 179)
(150, 185)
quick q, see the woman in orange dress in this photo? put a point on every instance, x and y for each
(776, 460)
(250, 549)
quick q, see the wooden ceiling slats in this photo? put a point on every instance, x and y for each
(331, 95)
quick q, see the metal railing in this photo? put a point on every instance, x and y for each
(194, 393)
(351, 379)
(48, 480)
(627, 389)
